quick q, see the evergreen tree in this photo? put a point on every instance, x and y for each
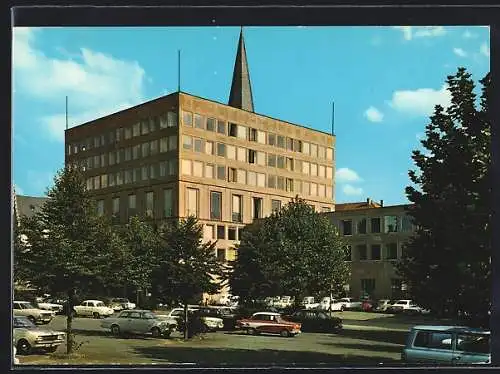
(447, 263)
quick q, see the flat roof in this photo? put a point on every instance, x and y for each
(197, 97)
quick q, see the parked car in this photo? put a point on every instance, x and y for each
(350, 304)
(227, 314)
(15, 360)
(368, 305)
(382, 305)
(49, 305)
(399, 306)
(414, 309)
(210, 318)
(139, 322)
(271, 323)
(450, 345)
(309, 303)
(336, 305)
(93, 308)
(120, 303)
(28, 337)
(315, 321)
(35, 315)
(178, 313)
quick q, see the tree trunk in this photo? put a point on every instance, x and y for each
(69, 322)
(186, 320)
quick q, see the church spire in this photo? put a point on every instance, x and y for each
(241, 89)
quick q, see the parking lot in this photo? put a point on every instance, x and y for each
(367, 339)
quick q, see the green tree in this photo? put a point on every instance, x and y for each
(295, 252)
(69, 247)
(447, 263)
(187, 266)
(142, 243)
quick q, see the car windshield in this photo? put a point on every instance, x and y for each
(100, 303)
(23, 323)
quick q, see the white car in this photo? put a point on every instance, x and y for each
(414, 309)
(121, 304)
(28, 337)
(309, 303)
(35, 315)
(93, 308)
(139, 322)
(57, 308)
(350, 303)
(212, 323)
(178, 313)
(335, 304)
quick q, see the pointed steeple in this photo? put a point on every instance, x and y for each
(241, 89)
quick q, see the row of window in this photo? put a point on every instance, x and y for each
(143, 150)
(252, 178)
(374, 252)
(158, 170)
(391, 223)
(255, 157)
(144, 127)
(368, 287)
(242, 132)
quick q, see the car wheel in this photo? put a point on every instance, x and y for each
(51, 349)
(96, 315)
(285, 333)
(342, 308)
(251, 331)
(115, 330)
(167, 333)
(155, 331)
(23, 347)
(32, 319)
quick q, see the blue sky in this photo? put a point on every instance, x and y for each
(384, 81)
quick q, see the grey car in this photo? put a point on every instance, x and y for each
(139, 322)
(447, 345)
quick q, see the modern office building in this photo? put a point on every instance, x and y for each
(182, 155)
(375, 234)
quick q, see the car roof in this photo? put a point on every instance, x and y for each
(271, 313)
(136, 310)
(92, 300)
(443, 328)
(18, 301)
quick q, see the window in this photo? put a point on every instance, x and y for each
(361, 249)
(305, 167)
(473, 343)
(221, 172)
(242, 132)
(314, 150)
(112, 179)
(198, 121)
(221, 232)
(406, 224)
(390, 224)
(275, 205)
(172, 119)
(153, 145)
(281, 162)
(321, 190)
(164, 121)
(167, 202)
(261, 158)
(306, 188)
(271, 160)
(215, 205)
(153, 171)
(289, 144)
(97, 161)
(187, 119)
(241, 176)
(326, 209)
(172, 142)
(233, 129)
(186, 167)
(97, 141)
(306, 148)
(144, 173)
(136, 150)
(329, 172)
(392, 251)
(231, 175)
(100, 207)
(261, 137)
(119, 178)
(211, 124)
(375, 225)
(289, 185)
(172, 167)
(221, 254)
(257, 207)
(396, 288)
(221, 127)
(198, 169)
(104, 180)
(136, 129)
(361, 226)
(116, 206)
(433, 339)
(314, 189)
(137, 175)
(97, 182)
(128, 154)
(346, 227)
(231, 233)
(237, 208)
(208, 232)
(322, 171)
(153, 124)
(252, 156)
(209, 171)
(187, 142)
(271, 139)
(150, 204)
(329, 154)
(192, 202)
(252, 135)
(367, 286)
(163, 169)
(375, 252)
(348, 253)
(242, 154)
(280, 183)
(289, 164)
(221, 149)
(231, 152)
(271, 181)
(321, 152)
(281, 141)
(261, 179)
(252, 178)
(145, 149)
(131, 205)
(314, 169)
(297, 145)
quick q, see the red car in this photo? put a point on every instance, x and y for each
(270, 323)
(368, 305)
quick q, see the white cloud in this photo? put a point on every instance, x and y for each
(410, 32)
(346, 175)
(468, 35)
(485, 49)
(459, 52)
(420, 101)
(350, 190)
(374, 115)
(96, 84)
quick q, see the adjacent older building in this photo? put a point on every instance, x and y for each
(182, 155)
(375, 235)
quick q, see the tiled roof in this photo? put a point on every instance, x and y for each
(356, 206)
(28, 205)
